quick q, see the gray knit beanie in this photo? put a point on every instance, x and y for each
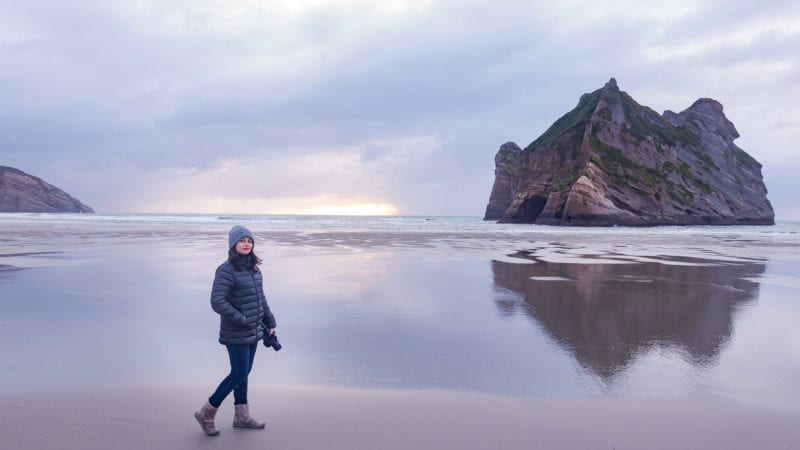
(238, 232)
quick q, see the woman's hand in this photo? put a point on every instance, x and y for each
(271, 331)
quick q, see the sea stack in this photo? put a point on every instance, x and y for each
(611, 161)
(21, 192)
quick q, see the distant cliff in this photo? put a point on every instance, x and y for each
(20, 192)
(611, 161)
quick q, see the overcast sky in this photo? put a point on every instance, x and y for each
(363, 106)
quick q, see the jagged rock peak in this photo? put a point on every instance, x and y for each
(710, 113)
(707, 102)
(21, 192)
(510, 147)
(612, 161)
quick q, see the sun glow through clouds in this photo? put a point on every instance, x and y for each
(360, 209)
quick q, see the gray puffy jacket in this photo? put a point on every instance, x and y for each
(238, 297)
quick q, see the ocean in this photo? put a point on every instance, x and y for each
(269, 222)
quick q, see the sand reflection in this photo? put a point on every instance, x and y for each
(607, 314)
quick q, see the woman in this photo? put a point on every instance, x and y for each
(238, 297)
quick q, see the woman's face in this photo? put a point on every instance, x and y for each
(244, 246)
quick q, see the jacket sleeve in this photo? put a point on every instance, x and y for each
(223, 283)
(269, 318)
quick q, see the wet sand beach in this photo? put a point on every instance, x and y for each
(345, 418)
(592, 338)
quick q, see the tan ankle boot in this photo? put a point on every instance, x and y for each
(243, 419)
(206, 419)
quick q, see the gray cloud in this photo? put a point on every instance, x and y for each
(151, 99)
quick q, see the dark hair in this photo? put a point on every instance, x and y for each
(249, 261)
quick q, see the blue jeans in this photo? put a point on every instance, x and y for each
(241, 357)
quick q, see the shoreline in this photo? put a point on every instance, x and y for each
(42, 241)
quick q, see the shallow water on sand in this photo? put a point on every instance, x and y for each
(528, 314)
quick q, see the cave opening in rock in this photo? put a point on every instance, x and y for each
(531, 208)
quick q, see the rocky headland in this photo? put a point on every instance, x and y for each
(611, 161)
(21, 192)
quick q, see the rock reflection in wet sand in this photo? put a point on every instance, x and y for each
(607, 314)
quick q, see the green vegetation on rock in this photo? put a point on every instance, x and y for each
(605, 113)
(621, 169)
(688, 176)
(685, 171)
(562, 183)
(745, 159)
(645, 122)
(575, 119)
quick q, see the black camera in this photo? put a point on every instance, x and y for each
(272, 341)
